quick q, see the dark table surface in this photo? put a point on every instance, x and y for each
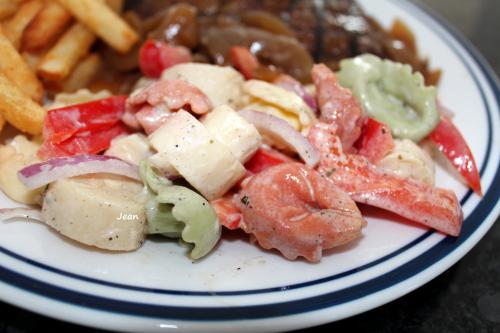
(466, 298)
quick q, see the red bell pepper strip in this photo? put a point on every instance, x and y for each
(227, 212)
(451, 143)
(91, 142)
(265, 158)
(86, 128)
(155, 56)
(62, 123)
(375, 141)
(244, 61)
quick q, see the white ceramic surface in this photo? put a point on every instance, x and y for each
(241, 287)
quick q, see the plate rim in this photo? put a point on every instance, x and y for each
(491, 208)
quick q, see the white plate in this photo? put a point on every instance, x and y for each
(240, 287)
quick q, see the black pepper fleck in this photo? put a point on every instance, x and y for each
(245, 200)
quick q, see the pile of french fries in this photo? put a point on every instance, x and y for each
(48, 43)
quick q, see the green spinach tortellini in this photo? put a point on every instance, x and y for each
(391, 93)
(178, 212)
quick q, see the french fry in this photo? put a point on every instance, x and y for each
(46, 26)
(83, 73)
(8, 8)
(2, 123)
(13, 66)
(15, 26)
(115, 5)
(105, 23)
(32, 59)
(60, 60)
(20, 110)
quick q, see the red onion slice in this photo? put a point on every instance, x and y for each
(280, 130)
(25, 213)
(40, 174)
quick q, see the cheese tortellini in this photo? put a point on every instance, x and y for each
(409, 161)
(14, 156)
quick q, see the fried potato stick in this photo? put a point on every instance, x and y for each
(15, 68)
(83, 73)
(2, 123)
(46, 27)
(8, 8)
(20, 110)
(105, 23)
(60, 60)
(15, 26)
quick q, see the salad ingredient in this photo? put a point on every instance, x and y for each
(337, 106)
(434, 207)
(40, 174)
(18, 109)
(159, 215)
(295, 210)
(174, 94)
(178, 212)
(17, 71)
(407, 160)
(232, 130)
(155, 57)
(244, 61)
(227, 211)
(161, 221)
(80, 96)
(152, 179)
(392, 94)
(281, 134)
(86, 128)
(14, 156)
(452, 144)
(375, 141)
(227, 207)
(222, 85)
(25, 213)
(149, 118)
(284, 52)
(160, 162)
(281, 98)
(104, 211)
(201, 225)
(289, 83)
(208, 165)
(261, 106)
(103, 22)
(90, 142)
(62, 123)
(265, 158)
(131, 148)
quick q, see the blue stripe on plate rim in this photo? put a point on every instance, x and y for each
(399, 274)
